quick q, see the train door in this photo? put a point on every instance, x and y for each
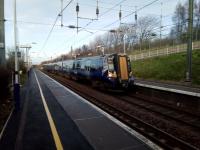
(110, 64)
(123, 67)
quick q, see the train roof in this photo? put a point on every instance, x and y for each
(84, 58)
(95, 57)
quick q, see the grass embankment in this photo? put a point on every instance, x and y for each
(170, 68)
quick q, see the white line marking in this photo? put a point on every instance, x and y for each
(51, 122)
(90, 118)
(116, 121)
(6, 123)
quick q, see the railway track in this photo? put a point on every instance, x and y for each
(182, 117)
(176, 105)
(114, 106)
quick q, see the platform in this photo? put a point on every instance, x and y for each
(176, 88)
(54, 117)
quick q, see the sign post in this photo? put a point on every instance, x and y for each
(16, 84)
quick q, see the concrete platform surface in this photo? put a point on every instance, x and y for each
(53, 117)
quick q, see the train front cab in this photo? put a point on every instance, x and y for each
(123, 71)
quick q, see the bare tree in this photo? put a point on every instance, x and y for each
(146, 28)
(180, 19)
(196, 19)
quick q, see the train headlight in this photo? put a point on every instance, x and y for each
(109, 74)
(130, 74)
(112, 75)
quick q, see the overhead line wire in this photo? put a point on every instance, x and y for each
(102, 15)
(104, 7)
(122, 18)
(105, 12)
(132, 13)
(49, 33)
(112, 4)
(54, 25)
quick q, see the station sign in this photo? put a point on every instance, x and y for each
(19, 54)
(1, 45)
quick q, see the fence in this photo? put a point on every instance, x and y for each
(163, 52)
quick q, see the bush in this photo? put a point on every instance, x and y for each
(4, 83)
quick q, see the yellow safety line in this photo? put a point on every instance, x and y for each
(51, 122)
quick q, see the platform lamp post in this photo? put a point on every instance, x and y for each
(125, 37)
(27, 47)
(16, 72)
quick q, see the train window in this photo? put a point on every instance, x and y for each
(110, 64)
(100, 63)
(87, 65)
(129, 64)
(110, 67)
(93, 64)
(88, 62)
(82, 65)
(78, 65)
(74, 65)
(70, 65)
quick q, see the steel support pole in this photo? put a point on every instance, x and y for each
(125, 36)
(16, 84)
(61, 13)
(26, 57)
(2, 34)
(189, 45)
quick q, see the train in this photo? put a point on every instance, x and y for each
(109, 71)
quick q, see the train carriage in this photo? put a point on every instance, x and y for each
(112, 70)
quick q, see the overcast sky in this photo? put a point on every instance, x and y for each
(36, 17)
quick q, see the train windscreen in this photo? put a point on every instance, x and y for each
(110, 64)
